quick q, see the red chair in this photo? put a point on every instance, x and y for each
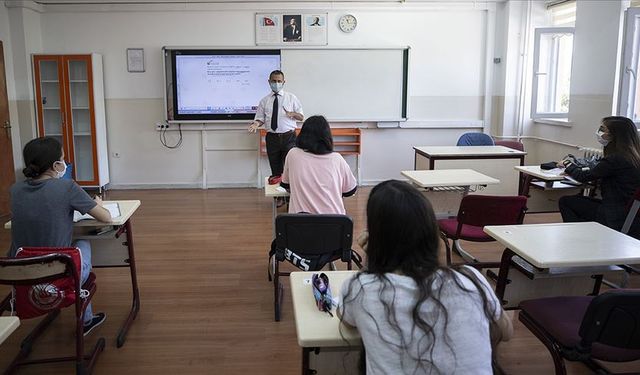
(45, 269)
(585, 329)
(477, 211)
(516, 145)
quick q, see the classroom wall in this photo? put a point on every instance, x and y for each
(447, 79)
(5, 37)
(593, 79)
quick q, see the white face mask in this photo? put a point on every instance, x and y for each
(276, 86)
(61, 173)
(600, 139)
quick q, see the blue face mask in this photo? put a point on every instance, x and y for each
(276, 86)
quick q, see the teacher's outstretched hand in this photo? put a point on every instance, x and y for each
(254, 126)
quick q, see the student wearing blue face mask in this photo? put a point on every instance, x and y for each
(617, 174)
(278, 113)
(42, 209)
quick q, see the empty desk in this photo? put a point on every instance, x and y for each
(501, 166)
(558, 259)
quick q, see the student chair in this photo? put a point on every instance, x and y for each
(475, 139)
(477, 211)
(516, 145)
(585, 329)
(309, 242)
(45, 269)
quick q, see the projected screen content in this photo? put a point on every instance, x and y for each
(221, 85)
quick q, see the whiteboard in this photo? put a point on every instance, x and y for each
(348, 84)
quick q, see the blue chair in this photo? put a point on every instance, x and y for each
(475, 139)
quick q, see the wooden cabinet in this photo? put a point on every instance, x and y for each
(70, 107)
(346, 141)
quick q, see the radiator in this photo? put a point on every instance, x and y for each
(590, 152)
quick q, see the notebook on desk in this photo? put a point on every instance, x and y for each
(113, 209)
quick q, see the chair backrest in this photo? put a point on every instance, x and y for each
(314, 234)
(613, 318)
(482, 210)
(511, 144)
(35, 270)
(475, 139)
(633, 212)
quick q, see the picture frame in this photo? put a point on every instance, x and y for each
(135, 60)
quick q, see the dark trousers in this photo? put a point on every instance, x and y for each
(578, 208)
(278, 145)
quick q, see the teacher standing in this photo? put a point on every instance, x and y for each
(278, 112)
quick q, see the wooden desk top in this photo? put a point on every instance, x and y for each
(272, 191)
(449, 177)
(8, 324)
(314, 327)
(567, 244)
(467, 151)
(127, 209)
(536, 171)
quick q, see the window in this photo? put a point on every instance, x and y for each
(563, 13)
(629, 104)
(552, 58)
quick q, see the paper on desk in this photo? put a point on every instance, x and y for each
(554, 171)
(113, 209)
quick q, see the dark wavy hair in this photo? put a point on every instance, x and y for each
(404, 238)
(39, 154)
(315, 136)
(624, 139)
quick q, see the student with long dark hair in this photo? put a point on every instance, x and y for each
(42, 209)
(414, 315)
(317, 176)
(617, 173)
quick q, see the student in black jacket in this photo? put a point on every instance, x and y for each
(618, 174)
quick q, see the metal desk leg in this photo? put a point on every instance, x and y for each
(503, 273)
(306, 352)
(135, 305)
(274, 213)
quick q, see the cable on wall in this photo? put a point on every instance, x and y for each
(163, 137)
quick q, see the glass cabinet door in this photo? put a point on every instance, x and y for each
(50, 99)
(80, 112)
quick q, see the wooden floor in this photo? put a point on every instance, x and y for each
(206, 302)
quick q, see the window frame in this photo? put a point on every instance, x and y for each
(536, 66)
(630, 64)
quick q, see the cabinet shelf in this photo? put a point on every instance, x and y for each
(69, 91)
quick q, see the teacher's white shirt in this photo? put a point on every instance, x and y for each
(286, 101)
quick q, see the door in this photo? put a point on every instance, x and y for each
(7, 171)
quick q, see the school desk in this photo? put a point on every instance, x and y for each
(495, 161)
(8, 324)
(443, 191)
(274, 192)
(558, 259)
(109, 250)
(317, 331)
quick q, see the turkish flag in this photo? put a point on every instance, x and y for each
(268, 21)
